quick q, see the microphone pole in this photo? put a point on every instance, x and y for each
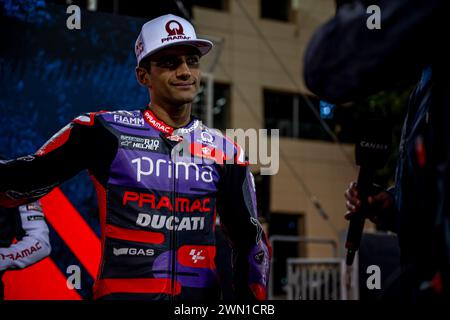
(356, 225)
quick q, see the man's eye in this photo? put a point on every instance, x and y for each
(167, 63)
(193, 61)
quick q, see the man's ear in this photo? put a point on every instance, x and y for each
(143, 77)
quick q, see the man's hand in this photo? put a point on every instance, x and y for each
(379, 203)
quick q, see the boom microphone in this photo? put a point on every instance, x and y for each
(371, 153)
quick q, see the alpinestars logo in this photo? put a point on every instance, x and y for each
(140, 143)
(196, 255)
(259, 257)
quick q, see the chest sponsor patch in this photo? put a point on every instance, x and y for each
(158, 222)
(139, 143)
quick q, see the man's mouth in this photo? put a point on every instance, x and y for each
(184, 85)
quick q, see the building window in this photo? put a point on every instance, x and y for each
(277, 10)
(220, 106)
(211, 4)
(142, 9)
(291, 114)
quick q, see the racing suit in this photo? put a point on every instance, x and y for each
(158, 203)
(28, 226)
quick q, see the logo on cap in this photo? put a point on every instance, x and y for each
(173, 31)
(139, 48)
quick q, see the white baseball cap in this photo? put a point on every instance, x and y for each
(166, 31)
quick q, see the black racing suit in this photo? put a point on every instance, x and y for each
(159, 191)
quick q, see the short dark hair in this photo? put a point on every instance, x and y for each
(145, 63)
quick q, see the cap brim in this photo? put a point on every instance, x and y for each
(204, 46)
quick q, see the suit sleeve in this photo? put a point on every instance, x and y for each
(28, 178)
(345, 60)
(33, 246)
(238, 216)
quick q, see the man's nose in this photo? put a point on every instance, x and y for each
(183, 70)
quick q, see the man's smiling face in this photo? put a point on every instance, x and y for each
(174, 75)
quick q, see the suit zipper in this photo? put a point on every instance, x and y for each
(173, 231)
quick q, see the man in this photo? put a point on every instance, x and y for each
(347, 60)
(27, 225)
(158, 202)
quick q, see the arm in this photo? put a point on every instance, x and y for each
(71, 150)
(238, 215)
(33, 246)
(382, 208)
(345, 60)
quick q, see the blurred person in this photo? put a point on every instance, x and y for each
(157, 211)
(346, 60)
(27, 225)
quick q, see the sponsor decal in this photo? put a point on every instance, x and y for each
(195, 124)
(259, 257)
(128, 120)
(35, 218)
(157, 124)
(34, 206)
(197, 256)
(207, 152)
(22, 254)
(174, 32)
(189, 171)
(150, 201)
(134, 142)
(156, 221)
(175, 138)
(173, 27)
(163, 127)
(133, 252)
(207, 138)
(139, 46)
